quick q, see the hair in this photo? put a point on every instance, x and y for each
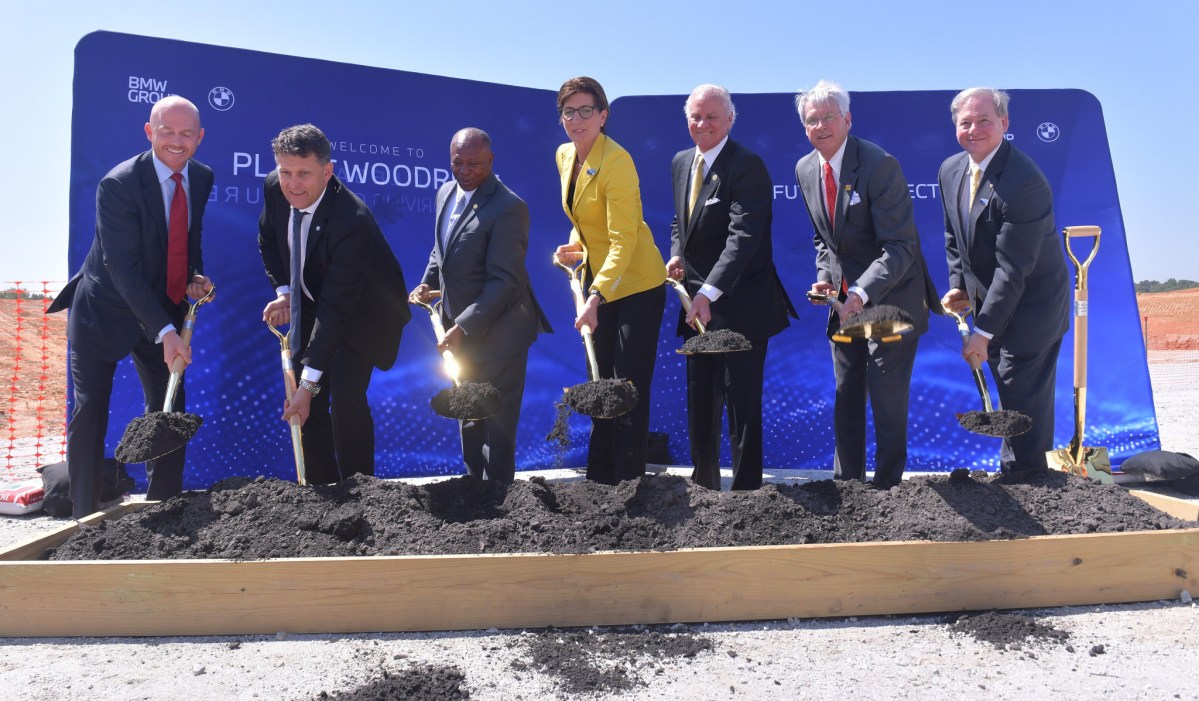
(469, 134)
(998, 97)
(718, 91)
(583, 84)
(303, 140)
(823, 92)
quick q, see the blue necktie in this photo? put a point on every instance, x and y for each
(297, 277)
(459, 206)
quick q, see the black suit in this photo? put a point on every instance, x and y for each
(352, 324)
(118, 306)
(1009, 260)
(873, 245)
(725, 243)
(485, 290)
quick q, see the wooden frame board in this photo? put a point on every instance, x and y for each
(466, 592)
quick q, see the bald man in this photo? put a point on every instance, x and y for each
(131, 294)
(477, 267)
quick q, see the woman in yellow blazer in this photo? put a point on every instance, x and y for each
(625, 274)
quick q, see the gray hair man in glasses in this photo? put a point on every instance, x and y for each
(867, 253)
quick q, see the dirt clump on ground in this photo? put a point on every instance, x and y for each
(246, 519)
(422, 683)
(1008, 631)
(587, 661)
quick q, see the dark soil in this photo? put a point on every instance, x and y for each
(881, 314)
(605, 660)
(242, 518)
(428, 683)
(153, 435)
(1002, 423)
(470, 400)
(716, 341)
(602, 399)
(1008, 631)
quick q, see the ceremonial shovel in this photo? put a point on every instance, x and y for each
(883, 323)
(599, 398)
(717, 341)
(465, 401)
(158, 433)
(289, 387)
(988, 422)
(1074, 458)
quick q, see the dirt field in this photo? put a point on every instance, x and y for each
(33, 386)
(1172, 319)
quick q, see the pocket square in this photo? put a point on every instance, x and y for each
(714, 200)
(854, 198)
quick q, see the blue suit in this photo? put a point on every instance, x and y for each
(119, 304)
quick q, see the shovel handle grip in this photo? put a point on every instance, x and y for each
(289, 382)
(185, 335)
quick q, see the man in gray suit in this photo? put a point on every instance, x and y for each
(477, 267)
(867, 252)
(1006, 263)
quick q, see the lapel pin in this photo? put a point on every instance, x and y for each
(591, 171)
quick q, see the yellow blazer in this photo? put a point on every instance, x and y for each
(606, 218)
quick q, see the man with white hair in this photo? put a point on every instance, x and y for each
(721, 250)
(867, 252)
(1006, 264)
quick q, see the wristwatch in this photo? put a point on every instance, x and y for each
(312, 387)
(596, 293)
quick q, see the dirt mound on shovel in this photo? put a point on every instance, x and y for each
(243, 519)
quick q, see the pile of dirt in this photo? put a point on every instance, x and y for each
(470, 400)
(1170, 320)
(716, 341)
(241, 518)
(1008, 631)
(427, 683)
(588, 661)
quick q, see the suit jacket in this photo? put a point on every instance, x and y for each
(606, 217)
(120, 292)
(349, 268)
(1006, 255)
(481, 272)
(874, 244)
(726, 242)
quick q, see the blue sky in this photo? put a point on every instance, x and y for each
(1138, 60)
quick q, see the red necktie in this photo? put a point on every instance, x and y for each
(830, 194)
(177, 243)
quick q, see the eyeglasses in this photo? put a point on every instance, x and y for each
(826, 120)
(585, 112)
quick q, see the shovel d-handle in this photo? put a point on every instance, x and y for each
(685, 300)
(1080, 331)
(833, 302)
(576, 289)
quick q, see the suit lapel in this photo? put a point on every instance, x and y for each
(320, 219)
(845, 186)
(152, 192)
(590, 170)
(482, 194)
(443, 201)
(953, 193)
(986, 188)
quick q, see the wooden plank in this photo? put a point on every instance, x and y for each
(1185, 509)
(213, 597)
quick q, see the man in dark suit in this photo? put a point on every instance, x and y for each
(477, 267)
(721, 250)
(352, 306)
(1006, 263)
(867, 252)
(131, 294)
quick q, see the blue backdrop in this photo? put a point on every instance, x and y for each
(390, 132)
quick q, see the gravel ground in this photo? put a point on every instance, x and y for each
(1131, 651)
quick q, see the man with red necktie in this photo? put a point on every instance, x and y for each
(131, 294)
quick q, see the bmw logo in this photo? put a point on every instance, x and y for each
(1048, 132)
(220, 98)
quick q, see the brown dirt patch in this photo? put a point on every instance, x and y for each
(33, 370)
(1171, 319)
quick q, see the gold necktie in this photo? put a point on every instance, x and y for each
(976, 177)
(697, 182)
